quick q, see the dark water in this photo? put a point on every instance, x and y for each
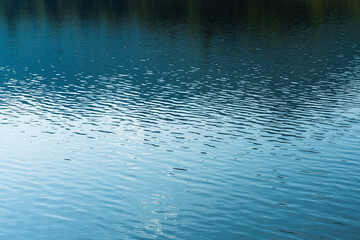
(180, 119)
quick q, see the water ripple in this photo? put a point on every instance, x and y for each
(128, 126)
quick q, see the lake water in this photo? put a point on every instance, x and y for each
(180, 119)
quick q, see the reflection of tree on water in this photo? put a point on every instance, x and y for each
(198, 11)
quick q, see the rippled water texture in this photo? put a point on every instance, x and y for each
(179, 119)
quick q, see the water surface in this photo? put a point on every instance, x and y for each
(179, 119)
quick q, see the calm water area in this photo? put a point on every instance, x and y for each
(180, 119)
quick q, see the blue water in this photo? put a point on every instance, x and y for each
(179, 119)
